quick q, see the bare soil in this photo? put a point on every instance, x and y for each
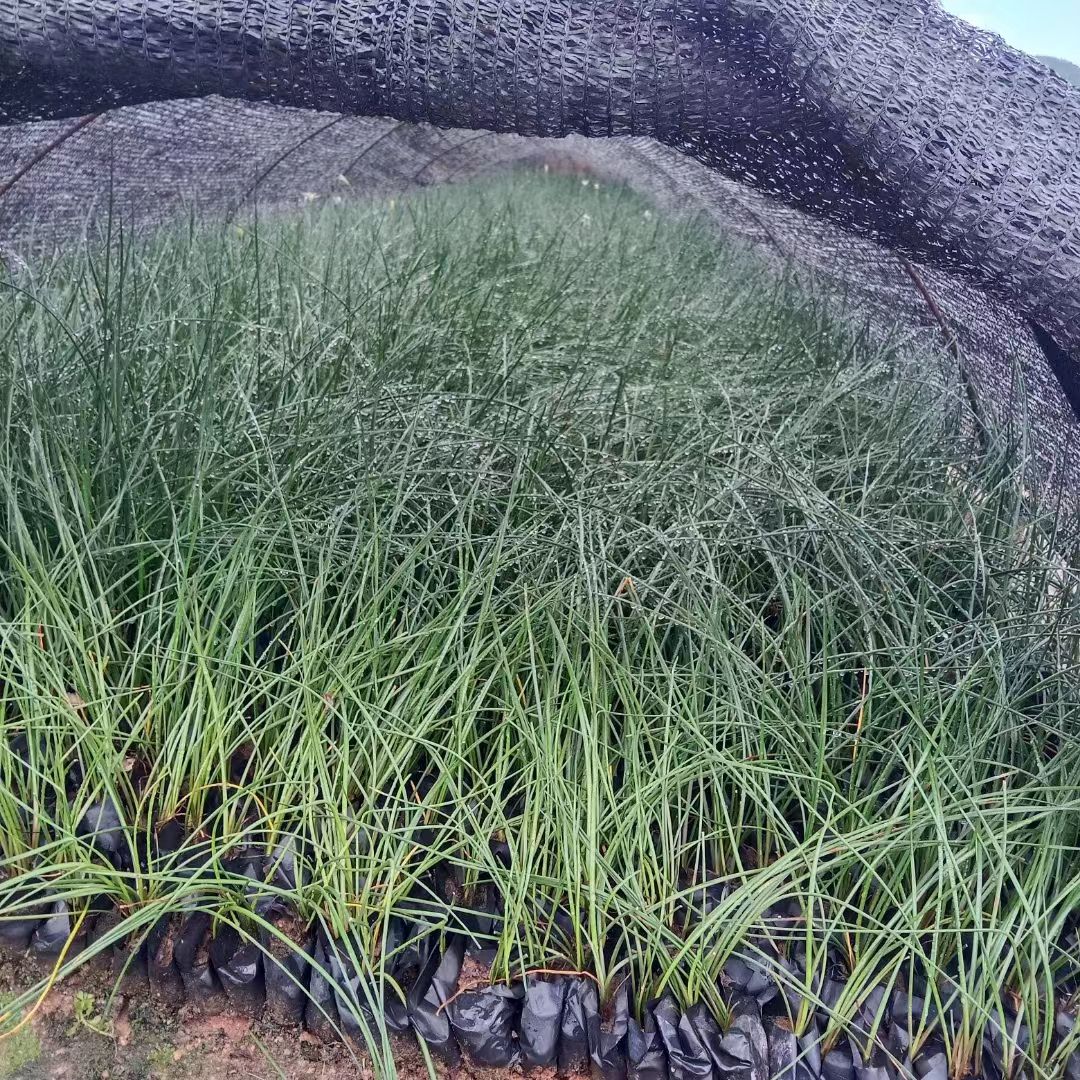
(136, 1038)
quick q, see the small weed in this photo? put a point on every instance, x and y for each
(160, 1062)
(85, 1016)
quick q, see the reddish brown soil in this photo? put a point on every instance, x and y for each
(144, 1040)
(294, 929)
(474, 973)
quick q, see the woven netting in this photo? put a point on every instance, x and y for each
(925, 170)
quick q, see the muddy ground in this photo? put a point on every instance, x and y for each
(74, 1036)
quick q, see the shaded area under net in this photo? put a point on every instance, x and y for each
(146, 165)
(889, 118)
(930, 184)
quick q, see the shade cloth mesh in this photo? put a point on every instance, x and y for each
(926, 171)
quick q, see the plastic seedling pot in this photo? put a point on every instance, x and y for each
(791, 1057)
(869, 1010)
(744, 1049)
(406, 956)
(898, 1041)
(700, 903)
(53, 935)
(103, 827)
(128, 957)
(484, 1017)
(783, 1049)
(606, 1027)
(541, 1018)
(247, 863)
(16, 932)
(573, 1031)
(192, 956)
(748, 975)
(285, 866)
(169, 839)
(688, 1058)
(483, 921)
(1064, 1023)
(829, 992)
(877, 1068)
(932, 1064)
(646, 1058)
(175, 852)
(166, 983)
(428, 999)
(320, 1013)
(353, 992)
(705, 1030)
(809, 1061)
(286, 965)
(107, 920)
(838, 1063)
(237, 962)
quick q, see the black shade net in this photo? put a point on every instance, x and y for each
(924, 168)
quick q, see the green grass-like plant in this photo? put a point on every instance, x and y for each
(519, 539)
